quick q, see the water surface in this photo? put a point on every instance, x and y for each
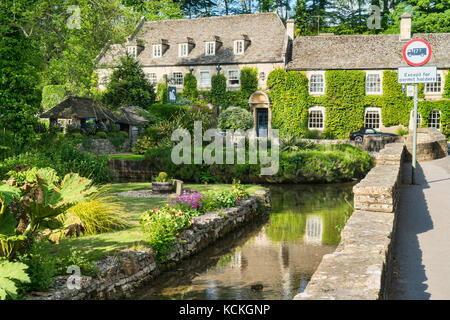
(272, 258)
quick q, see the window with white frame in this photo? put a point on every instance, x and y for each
(183, 50)
(233, 77)
(316, 118)
(177, 78)
(372, 118)
(316, 84)
(238, 46)
(152, 77)
(157, 50)
(434, 87)
(210, 48)
(373, 83)
(132, 51)
(434, 119)
(262, 76)
(205, 79)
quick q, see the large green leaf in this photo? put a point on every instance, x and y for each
(7, 195)
(10, 271)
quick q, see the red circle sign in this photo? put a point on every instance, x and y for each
(417, 52)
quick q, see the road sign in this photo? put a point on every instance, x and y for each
(417, 52)
(417, 74)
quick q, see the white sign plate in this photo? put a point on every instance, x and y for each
(410, 91)
(417, 74)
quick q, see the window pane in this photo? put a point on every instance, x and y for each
(434, 87)
(204, 78)
(434, 120)
(316, 84)
(372, 119)
(315, 119)
(210, 46)
(152, 77)
(373, 83)
(233, 77)
(178, 78)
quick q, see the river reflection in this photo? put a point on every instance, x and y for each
(269, 259)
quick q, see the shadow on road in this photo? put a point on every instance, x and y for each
(413, 218)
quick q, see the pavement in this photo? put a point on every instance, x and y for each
(422, 245)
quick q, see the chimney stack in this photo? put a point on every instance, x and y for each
(405, 26)
(290, 29)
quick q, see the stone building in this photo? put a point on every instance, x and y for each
(204, 46)
(373, 54)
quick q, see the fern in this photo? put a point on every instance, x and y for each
(10, 273)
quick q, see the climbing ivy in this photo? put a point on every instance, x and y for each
(345, 101)
(447, 87)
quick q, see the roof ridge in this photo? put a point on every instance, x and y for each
(230, 16)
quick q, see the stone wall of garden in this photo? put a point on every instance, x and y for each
(120, 274)
(360, 268)
(104, 146)
(431, 144)
(369, 144)
(132, 170)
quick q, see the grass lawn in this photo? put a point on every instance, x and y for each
(126, 156)
(98, 246)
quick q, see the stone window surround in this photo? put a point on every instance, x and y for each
(380, 74)
(373, 109)
(229, 78)
(239, 44)
(322, 110)
(157, 50)
(309, 74)
(183, 49)
(441, 73)
(210, 48)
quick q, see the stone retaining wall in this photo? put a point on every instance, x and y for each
(132, 170)
(369, 143)
(361, 266)
(120, 274)
(431, 144)
(104, 146)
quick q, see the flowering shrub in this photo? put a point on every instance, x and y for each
(163, 226)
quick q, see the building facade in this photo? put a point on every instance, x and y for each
(372, 54)
(204, 46)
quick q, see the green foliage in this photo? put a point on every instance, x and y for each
(117, 138)
(162, 177)
(101, 135)
(143, 144)
(446, 93)
(7, 195)
(162, 92)
(190, 86)
(396, 105)
(52, 95)
(249, 80)
(401, 131)
(11, 273)
(235, 118)
(218, 89)
(443, 106)
(76, 258)
(41, 268)
(129, 86)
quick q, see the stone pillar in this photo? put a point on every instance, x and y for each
(405, 26)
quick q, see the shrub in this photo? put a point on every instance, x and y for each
(129, 86)
(218, 89)
(143, 144)
(190, 86)
(41, 268)
(235, 118)
(401, 131)
(76, 258)
(101, 135)
(162, 177)
(249, 80)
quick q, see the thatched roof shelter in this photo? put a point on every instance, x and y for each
(132, 115)
(79, 108)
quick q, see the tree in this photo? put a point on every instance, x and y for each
(190, 86)
(129, 86)
(218, 89)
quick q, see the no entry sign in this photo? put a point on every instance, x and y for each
(417, 52)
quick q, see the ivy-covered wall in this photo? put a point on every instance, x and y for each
(345, 100)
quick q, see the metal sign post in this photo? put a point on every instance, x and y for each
(416, 53)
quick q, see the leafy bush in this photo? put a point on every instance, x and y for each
(401, 131)
(235, 118)
(249, 80)
(162, 177)
(41, 268)
(143, 144)
(11, 274)
(218, 89)
(129, 86)
(76, 258)
(101, 135)
(190, 86)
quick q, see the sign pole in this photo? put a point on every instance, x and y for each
(416, 99)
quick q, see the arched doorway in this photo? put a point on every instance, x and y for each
(262, 116)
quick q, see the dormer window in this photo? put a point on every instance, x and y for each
(132, 51)
(210, 48)
(183, 50)
(157, 50)
(238, 46)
